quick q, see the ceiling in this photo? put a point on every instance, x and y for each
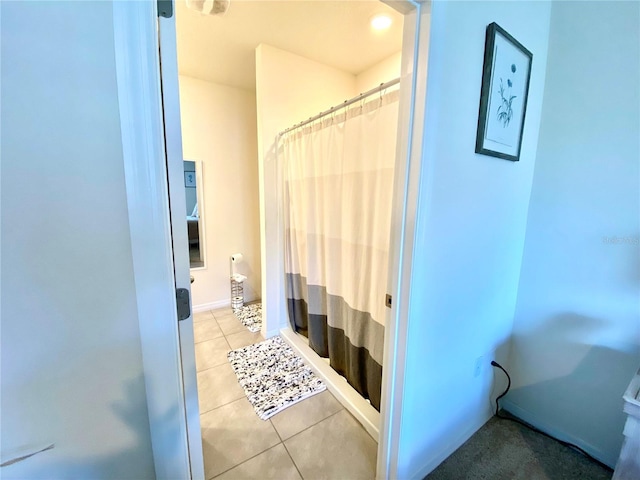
(221, 49)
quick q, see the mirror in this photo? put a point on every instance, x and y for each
(195, 214)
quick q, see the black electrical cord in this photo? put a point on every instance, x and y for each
(496, 364)
(531, 427)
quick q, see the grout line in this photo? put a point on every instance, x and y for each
(273, 446)
(292, 460)
(277, 433)
(319, 421)
(195, 342)
(224, 405)
(241, 331)
(212, 366)
(281, 441)
(245, 461)
(228, 345)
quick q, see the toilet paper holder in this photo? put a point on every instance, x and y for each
(237, 282)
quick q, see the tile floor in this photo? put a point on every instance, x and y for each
(314, 439)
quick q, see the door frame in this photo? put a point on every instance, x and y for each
(408, 169)
(175, 433)
(168, 349)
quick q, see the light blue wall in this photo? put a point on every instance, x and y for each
(470, 234)
(576, 337)
(71, 357)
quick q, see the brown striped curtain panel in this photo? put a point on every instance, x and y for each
(338, 187)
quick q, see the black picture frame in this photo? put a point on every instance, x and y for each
(503, 95)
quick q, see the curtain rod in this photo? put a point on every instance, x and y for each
(344, 104)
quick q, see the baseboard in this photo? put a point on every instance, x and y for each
(534, 420)
(368, 416)
(442, 454)
(271, 333)
(203, 307)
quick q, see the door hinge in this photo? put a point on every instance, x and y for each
(165, 8)
(183, 303)
(387, 300)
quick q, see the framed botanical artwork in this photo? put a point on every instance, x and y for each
(503, 96)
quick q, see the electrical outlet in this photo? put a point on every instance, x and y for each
(478, 368)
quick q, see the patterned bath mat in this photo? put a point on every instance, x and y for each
(250, 316)
(273, 376)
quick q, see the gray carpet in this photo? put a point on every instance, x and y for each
(504, 450)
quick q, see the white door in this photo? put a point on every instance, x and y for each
(177, 204)
(152, 151)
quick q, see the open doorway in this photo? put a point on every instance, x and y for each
(133, 87)
(226, 129)
(245, 74)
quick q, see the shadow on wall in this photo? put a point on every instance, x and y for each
(580, 398)
(62, 463)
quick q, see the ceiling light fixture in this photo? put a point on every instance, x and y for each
(380, 21)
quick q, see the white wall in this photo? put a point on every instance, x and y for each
(387, 69)
(289, 89)
(71, 358)
(219, 130)
(470, 234)
(577, 327)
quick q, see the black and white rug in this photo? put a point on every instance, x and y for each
(273, 376)
(250, 316)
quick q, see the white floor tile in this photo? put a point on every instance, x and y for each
(211, 353)
(336, 448)
(274, 464)
(218, 386)
(233, 434)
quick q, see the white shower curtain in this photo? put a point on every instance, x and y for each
(338, 186)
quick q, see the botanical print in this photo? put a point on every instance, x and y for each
(506, 94)
(503, 98)
(505, 110)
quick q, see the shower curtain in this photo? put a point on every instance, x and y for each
(338, 186)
